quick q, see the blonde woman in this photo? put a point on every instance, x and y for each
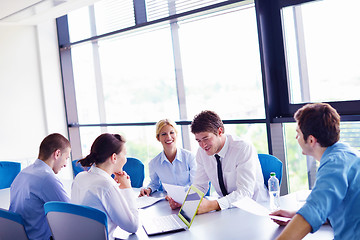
(173, 165)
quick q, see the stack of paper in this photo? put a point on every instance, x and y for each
(249, 205)
(146, 201)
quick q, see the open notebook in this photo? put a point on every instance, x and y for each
(176, 222)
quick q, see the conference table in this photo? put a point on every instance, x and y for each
(233, 223)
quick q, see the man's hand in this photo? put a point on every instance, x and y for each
(174, 205)
(208, 206)
(282, 213)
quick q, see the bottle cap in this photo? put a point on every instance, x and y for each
(272, 174)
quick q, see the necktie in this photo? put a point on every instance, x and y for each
(220, 176)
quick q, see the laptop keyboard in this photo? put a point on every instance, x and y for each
(166, 223)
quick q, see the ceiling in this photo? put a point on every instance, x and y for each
(32, 12)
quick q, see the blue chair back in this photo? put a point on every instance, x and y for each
(8, 172)
(135, 169)
(77, 168)
(270, 163)
(11, 226)
(72, 221)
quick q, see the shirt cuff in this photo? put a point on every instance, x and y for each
(223, 203)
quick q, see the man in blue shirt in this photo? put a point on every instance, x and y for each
(38, 184)
(336, 194)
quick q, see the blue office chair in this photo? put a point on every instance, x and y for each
(208, 192)
(8, 172)
(11, 226)
(135, 169)
(270, 163)
(69, 221)
(77, 168)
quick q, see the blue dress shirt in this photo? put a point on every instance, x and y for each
(180, 172)
(336, 194)
(31, 189)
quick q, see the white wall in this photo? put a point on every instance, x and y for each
(31, 97)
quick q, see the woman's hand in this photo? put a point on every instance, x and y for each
(174, 205)
(123, 179)
(144, 192)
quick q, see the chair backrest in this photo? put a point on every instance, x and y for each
(69, 221)
(77, 168)
(8, 172)
(135, 169)
(11, 226)
(270, 163)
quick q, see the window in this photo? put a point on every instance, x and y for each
(221, 64)
(138, 77)
(173, 58)
(322, 51)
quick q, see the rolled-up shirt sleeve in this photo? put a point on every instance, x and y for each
(330, 189)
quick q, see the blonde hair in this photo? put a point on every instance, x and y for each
(162, 123)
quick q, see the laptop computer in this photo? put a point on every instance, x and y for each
(176, 222)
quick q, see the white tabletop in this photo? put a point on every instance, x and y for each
(232, 223)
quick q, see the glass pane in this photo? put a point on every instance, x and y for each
(87, 137)
(350, 133)
(156, 9)
(112, 15)
(323, 52)
(79, 24)
(296, 161)
(85, 86)
(256, 133)
(221, 65)
(138, 77)
(141, 143)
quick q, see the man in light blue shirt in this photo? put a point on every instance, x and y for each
(336, 194)
(38, 184)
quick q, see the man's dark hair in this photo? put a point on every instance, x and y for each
(51, 143)
(320, 120)
(207, 121)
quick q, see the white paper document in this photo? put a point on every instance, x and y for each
(249, 205)
(145, 201)
(178, 193)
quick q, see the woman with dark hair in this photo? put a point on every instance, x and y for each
(96, 188)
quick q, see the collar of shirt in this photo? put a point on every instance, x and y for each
(43, 165)
(177, 157)
(224, 149)
(101, 172)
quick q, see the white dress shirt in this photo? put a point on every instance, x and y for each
(241, 170)
(99, 190)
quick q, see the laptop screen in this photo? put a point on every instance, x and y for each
(190, 206)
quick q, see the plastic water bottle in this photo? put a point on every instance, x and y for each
(274, 191)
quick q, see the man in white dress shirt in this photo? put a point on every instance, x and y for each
(239, 172)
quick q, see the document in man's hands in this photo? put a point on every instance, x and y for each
(249, 205)
(146, 201)
(178, 193)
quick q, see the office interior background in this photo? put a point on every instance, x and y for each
(84, 67)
